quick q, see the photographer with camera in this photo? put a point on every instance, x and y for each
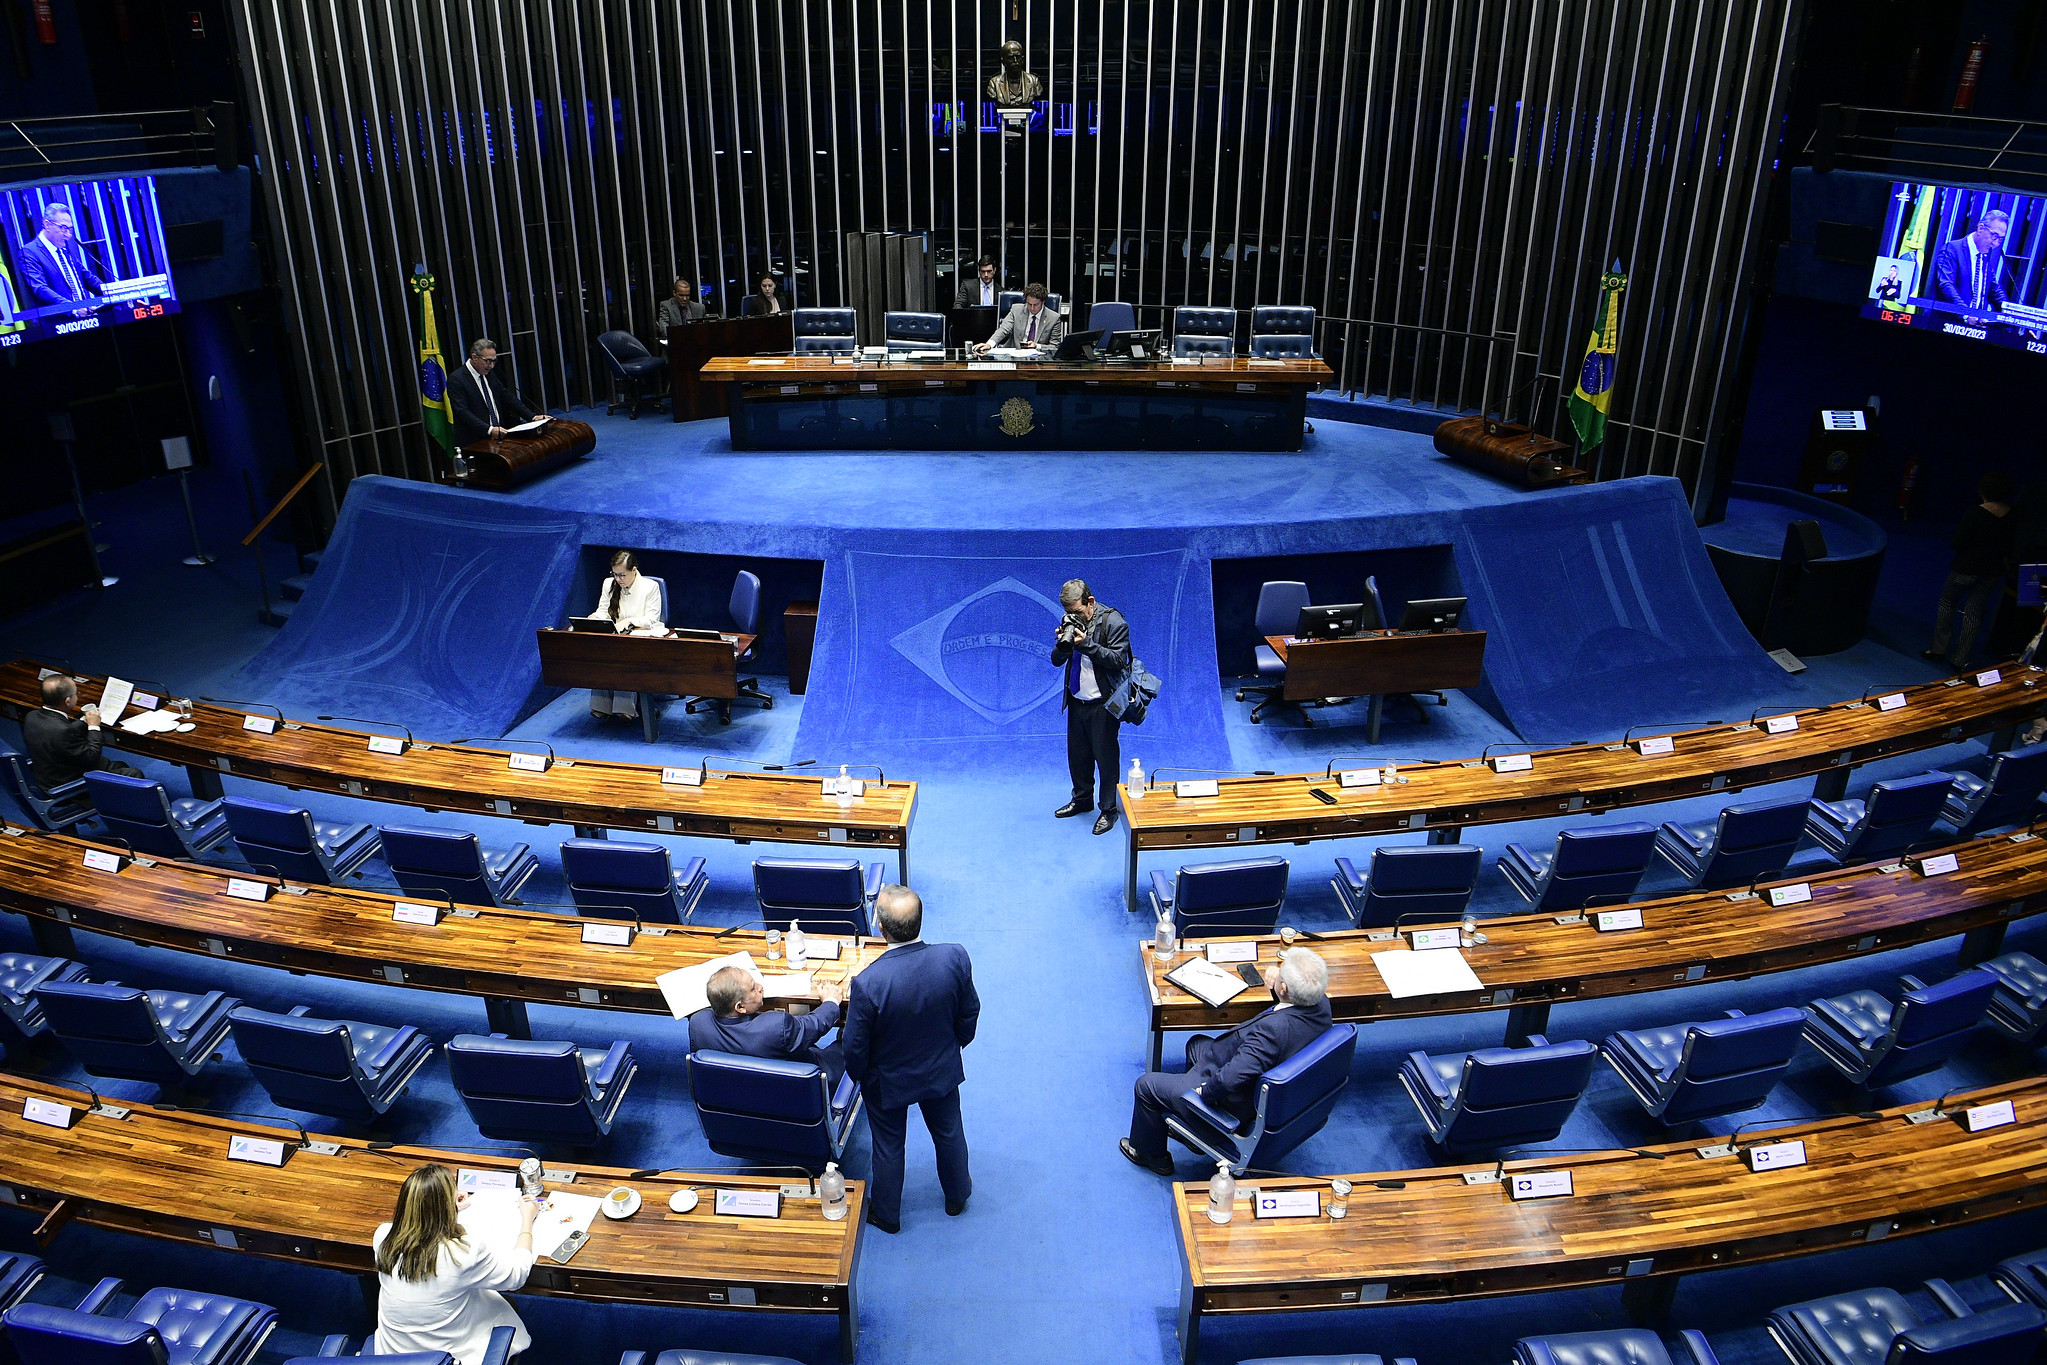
(1093, 646)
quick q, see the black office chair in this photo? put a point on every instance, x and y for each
(633, 367)
(1376, 619)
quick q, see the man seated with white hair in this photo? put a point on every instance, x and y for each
(1224, 1071)
(738, 1020)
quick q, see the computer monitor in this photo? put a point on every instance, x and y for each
(602, 625)
(1076, 346)
(1138, 345)
(1329, 623)
(1432, 614)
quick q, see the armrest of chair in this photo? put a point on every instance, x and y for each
(1828, 1011)
(1425, 1072)
(607, 1070)
(875, 874)
(298, 1011)
(1210, 1115)
(101, 1295)
(1908, 982)
(1536, 1040)
(633, 1358)
(1734, 1014)
(1348, 870)
(334, 1345)
(1161, 890)
(196, 1010)
(1951, 1303)
(1695, 1343)
(1534, 1351)
(848, 1091)
(75, 787)
(1840, 814)
(500, 1348)
(393, 1045)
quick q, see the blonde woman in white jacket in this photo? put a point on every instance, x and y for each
(439, 1289)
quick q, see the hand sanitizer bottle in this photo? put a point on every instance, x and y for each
(831, 1191)
(1133, 786)
(845, 787)
(798, 954)
(1222, 1194)
(1162, 945)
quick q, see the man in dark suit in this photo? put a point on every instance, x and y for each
(1030, 324)
(484, 404)
(1224, 1071)
(679, 309)
(60, 748)
(53, 266)
(738, 1020)
(1970, 270)
(911, 1012)
(983, 290)
(1093, 646)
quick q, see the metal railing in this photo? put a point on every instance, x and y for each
(202, 135)
(1910, 144)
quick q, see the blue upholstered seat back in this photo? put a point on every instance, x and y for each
(1426, 872)
(760, 1087)
(607, 864)
(1502, 1077)
(1761, 825)
(1308, 1077)
(925, 329)
(621, 349)
(1279, 607)
(808, 884)
(312, 1047)
(1600, 852)
(823, 330)
(1725, 1047)
(1951, 1006)
(1283, 347)
(91, 1010)
(450, 853)
(745, 604)
(287, 829)
(42, 1334)
(2017, 778)
(1112, 316)
(1251, 882)
(504, 1068)
(1900, 812)
(1191, 320)
(1999, 1336)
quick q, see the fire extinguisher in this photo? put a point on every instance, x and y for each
(1905, 486)
(1972, 67)
(46, 23)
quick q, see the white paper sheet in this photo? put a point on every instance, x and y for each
(1438, 971)
(150, 722)
(789, 986)
(683, 988)
(492, 1217)
(523, 427)
(114, 700)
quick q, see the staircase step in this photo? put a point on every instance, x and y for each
(283, 607)
(295, 586)
(312, 559)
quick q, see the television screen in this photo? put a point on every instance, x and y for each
(1965, 262)
(79, 255)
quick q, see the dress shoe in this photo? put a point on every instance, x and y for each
(1105, 822)
(1073, 808)
(872, 1221)
(1162, 1166)
(953, 1210)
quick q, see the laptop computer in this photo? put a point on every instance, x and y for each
(595, 624)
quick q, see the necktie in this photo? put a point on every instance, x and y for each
(490, 399)
(1976, 283)
(1073, 675)
(987, 294)
(64, 265)
(1031, 333)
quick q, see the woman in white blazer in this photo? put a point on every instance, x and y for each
(440, 1289)
(633, 602)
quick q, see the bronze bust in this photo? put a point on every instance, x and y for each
(1013, 85)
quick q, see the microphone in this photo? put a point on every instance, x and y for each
(638, 925)
(1199, 915)
(449, 901)
(746, 924)
(62, 663)
(358, 720)
(1500, 1171)
(1152, 781)
(384, 1149)
(1329, 770)
(1885, 690)
(486, 739)
(1296, 1175)
(304, 1140)
(1740, 1128)
(222, 701)
(1673, 727)
(765, 767)
(1756, 714)
(764, 1170)
(1532, 744)
(1465, 919)
(879, 775)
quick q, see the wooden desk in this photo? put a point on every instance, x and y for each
(824, 402)
(1632, 1221)
(799, 631)
(690, 346)
(1442, 798)
(592, 795)
(513, 460)
(164, 1174)
(651, 665)
(1378, 663)
(508, 957)
(1531, 962)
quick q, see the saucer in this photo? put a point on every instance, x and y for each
(187, 728)
(632, 1205)
(682, 1201)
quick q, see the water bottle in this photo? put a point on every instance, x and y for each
(1162, 945)
(1222, 1194)
(529, 1179)
(461, 465)
(798, 954)
(844, 787)
(1133, 787)
(831, 1189)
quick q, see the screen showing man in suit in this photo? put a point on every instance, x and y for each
(1970, 269)
(1031, 325)
(485, 406)
(79, 255)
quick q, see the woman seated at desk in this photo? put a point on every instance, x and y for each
(766, 301)
(632, 601)
(441, 1287)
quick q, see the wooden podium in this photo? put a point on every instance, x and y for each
(1512, 452)
(651, 665)
(1379, 664)
(691, 344)
(513, 460)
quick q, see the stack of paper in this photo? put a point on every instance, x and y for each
(492, 1217)
(150, 722)
(1436, 971)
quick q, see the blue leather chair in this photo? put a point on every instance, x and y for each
(1498, 1096)
(163, 1327)
(1010, 298)
(1413, 882)
(1294, 1100)
(768, 1110)
(1896, 815)
(1283, 332)
(1878, 1327)
(540, 1092)
(2018, 1007)
(913, 332)
(1111, 315)
(497, 1352)
(1211, 899)
(605, 874)
(2024, 1278)
(634, 369)
(19, 1273)
(825, 331)
(1752, 840)
(1683, 1072)
(302, 849)
(60, 811)
(21, 975)
(136, 1035)
(451, 864)
(824, 895)
(682, 1357)
(142, 812)
(2010, 795)
(1603, 862)
(745, 606)
(343, 1068)
(1204, 331)
(1873, 1041)
(1279, 611)
(1615, 1346)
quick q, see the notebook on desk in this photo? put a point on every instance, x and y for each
(1200, 977)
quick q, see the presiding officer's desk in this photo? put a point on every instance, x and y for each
(1441, 797)
(689, 346)
(1378, 664)
(592, 795)
(509, 957)
(165, 1174)
(822, 402)
(1533, 961)
(672, 665)
(1637, 1222)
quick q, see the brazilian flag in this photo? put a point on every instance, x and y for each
(1595, 377)
(435, 413)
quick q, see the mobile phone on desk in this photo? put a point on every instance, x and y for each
(1250, 973)
(1324, 797)
(571, 1244)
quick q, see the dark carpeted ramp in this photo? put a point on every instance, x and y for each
(1603, 610)
(422, 612)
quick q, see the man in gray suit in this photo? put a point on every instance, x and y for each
(1030, 323)
(679, 308)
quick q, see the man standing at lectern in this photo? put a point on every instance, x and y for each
(484, 403)
(1970, 270)
(53, 266)
(1093, 646)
